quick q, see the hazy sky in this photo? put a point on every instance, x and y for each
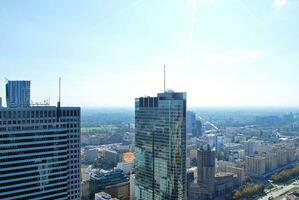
(221, 52)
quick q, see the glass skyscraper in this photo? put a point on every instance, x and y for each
(191, 120)
(160, 147)
(17, 94)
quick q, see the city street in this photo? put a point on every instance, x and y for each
(282, 190)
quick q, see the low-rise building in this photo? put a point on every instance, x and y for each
(230, 167)
(90, 154)
(103, 196)
(224, 185)
(126, 167)
(113, 182)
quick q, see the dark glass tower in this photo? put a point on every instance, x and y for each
(191, 119)
(18, 94)
(160, 141)
(206, 172)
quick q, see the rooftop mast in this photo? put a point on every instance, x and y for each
(58, 103)
(59, 90)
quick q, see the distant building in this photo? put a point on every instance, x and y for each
(230, 167)
(103, 196)
(113, 182)
(160, 147)
(197, 129)
(0, 101)
(219, 142)
(224, 185)
(206, 172)
(192, 157)
(211, 139)
(126, 167)
(252, 147)
(278, 155)
(90, 154)
(267, 120)
(18, 94)
(288, 118)
(190, 121)
(111, 156)
(236, 155)
(191, 172)
(255, 166)
(271, 160)
(209, 185)
(239, 172)
(233, 151)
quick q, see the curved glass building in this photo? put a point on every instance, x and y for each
(160, 147)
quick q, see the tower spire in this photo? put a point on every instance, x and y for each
(59, 89)
(59, 103)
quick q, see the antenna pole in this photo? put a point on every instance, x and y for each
(164, 79)
(58, 103)
(59, 90)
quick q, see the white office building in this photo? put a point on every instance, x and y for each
(40, 153)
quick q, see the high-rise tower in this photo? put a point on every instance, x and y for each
(190, 120)
(17, 94)
(206, 172)
(160, 141)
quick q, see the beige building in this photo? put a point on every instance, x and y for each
(271, 161)
(230, 167)
(255, 166)
(278, 155)
(240, 172)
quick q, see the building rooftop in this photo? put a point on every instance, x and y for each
(36, 108)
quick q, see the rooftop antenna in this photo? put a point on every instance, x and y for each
(164, 79)
(58, 103)
(59, 90)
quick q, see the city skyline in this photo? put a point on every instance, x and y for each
(232, 53)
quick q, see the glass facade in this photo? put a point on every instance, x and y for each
(18, 94)
(160, 147)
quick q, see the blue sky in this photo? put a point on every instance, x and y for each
(222, 53)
